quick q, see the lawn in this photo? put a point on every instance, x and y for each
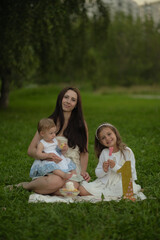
(137, 118)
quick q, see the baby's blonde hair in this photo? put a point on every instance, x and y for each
(45, 124)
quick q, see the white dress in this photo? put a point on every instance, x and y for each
(110, 183)
(42, 168)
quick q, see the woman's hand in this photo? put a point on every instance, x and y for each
(86, 176)
(53, 157)
(111, 163)
(106, 166)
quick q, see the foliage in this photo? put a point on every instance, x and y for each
(36, 40)
(131, 52)
(136, 117)
(58, 41)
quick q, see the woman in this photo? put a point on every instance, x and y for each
(70, 123)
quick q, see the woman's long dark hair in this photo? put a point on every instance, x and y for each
(75, 132)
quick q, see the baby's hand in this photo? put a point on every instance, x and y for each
(53, 157)
(105, 166)
(111, 163)
(64, 147)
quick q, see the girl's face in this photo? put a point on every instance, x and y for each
(108, 138)
(69, 101)
(48, 135)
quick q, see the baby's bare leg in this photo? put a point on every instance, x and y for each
(73, 172)
(62, 174)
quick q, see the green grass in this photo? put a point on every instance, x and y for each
(137, 119)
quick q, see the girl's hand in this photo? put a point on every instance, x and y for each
(106, 166)
(111, 163)
(86, 176)
(53, 157)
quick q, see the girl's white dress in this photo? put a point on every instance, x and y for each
(44, 167)
(110, 183)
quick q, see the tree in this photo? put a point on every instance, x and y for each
(43, 39)
(14, 45)
(34, 34)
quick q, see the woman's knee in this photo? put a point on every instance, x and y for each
(54, 181)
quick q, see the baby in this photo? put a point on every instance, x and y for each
(48, 146)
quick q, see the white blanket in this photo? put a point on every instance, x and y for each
(34, 198)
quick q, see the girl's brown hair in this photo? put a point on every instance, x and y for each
(98, 147)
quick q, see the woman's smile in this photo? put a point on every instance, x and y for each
(69, 100)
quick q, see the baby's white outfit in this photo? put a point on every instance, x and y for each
(41, 168)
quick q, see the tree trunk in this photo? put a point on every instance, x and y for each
(4, 97)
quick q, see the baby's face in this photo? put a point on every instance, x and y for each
(48, 135)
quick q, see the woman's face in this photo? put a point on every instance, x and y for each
(69, 101)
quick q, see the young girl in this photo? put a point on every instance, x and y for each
(109, 182)
(48, 146)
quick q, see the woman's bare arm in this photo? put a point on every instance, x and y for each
(84, 160)
(32, 149)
